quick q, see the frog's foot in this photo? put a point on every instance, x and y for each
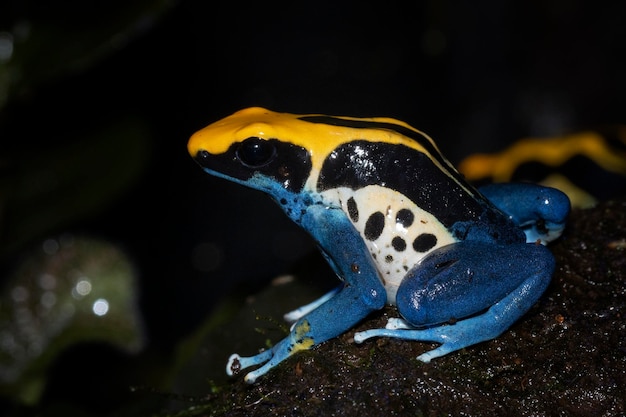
(452, 337)
(445, 287)
(398, 323)
(299, 339)
(340, 312)
(237, 363)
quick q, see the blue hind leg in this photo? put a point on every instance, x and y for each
(480, 287)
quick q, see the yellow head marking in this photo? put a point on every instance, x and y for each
(318, 138)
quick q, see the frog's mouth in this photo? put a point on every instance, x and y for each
(223, 165)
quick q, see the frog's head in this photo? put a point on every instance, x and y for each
(252, 147)
(274, 152)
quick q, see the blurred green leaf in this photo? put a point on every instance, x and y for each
(69, 290)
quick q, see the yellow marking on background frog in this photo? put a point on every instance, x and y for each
(550, 162)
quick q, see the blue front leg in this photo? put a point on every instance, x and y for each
(540, 211)
(361, 294)
(460, 280)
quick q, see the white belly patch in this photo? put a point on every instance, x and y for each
(397, 232)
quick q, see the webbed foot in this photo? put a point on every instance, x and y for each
(452, 337)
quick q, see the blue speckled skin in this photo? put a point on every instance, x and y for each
(496, 265)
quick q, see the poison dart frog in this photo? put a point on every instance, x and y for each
(396, 222)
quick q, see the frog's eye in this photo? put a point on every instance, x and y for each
(255, 152)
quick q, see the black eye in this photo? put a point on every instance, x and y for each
(255, 152)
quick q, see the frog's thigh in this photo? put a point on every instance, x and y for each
(465, 278)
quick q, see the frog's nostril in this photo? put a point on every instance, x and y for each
(202, 156)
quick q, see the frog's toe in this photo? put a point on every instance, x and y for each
(360, 337)
(397, 323)
(442, 350)
(237, 363)
(251, 377)
(233, 366)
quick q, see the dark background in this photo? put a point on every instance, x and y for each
(473, 75)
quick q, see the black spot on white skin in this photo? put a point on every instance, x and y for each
(374, 226)
(424, 242)
(398, 244)
(405, 217)
(388, 258)
(353, 210)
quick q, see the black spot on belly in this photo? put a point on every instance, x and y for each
(424, 242)
(398, 244)
(374, 226)
(405, 217)
(353, 210)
